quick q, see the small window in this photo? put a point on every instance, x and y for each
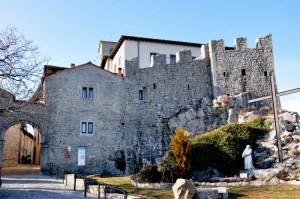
(188, 87)
(243, 72)
(87, 92)
(224, 74)
(110, 50)
(154, 86)
(152, 54)
(84, 92)
(83, 127)
(266, 73)
(91, 93)
(172, 59)
(141, 95)
(90, 128)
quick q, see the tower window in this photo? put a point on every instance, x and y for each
(87, 92)
(141, 95)
(172, 59)
(188, 87)
(90, 128)
(266, 73)
(91, 92)
(84, 92)
(243, 72)
(224, 74)
(83, 127)
(154, 86)
(87, 128)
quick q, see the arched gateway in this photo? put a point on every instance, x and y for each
(15, 112)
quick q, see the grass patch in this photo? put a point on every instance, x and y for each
(249, 192)
(265, 192)
(125, 184)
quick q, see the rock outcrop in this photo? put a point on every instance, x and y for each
(199, 119)
(183, 189)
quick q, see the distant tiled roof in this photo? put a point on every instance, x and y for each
(162, 41)
(50, 70)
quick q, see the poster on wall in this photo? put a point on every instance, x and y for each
(81, 156)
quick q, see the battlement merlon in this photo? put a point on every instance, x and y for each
(216, 46)
(158, 60)
(184, 56)
(240, 43)
(264, 42)
(204, 51)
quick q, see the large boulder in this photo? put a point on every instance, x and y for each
(183, 189)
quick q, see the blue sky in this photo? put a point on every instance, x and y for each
(69, 31)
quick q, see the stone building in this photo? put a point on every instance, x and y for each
(96, 118)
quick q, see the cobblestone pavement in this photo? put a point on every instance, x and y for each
(36, 187)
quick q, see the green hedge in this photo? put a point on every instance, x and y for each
(147, 174)
(222, 148)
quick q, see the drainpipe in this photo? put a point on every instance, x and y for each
(138, 50)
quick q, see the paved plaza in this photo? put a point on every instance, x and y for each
(17, 183)
(36, 187)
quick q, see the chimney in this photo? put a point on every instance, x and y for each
(72, 65)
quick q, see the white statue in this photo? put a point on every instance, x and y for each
(247, 155)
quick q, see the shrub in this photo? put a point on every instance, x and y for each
(168, 167)
(181, 149)
(222, 148)
(147, 174)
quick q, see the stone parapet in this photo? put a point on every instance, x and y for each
(184, 56)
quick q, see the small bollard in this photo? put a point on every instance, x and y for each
(0, 178)
(56, 173)
(98, 190)
(85, 187)
(74, 182)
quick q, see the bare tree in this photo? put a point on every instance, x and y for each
(20, 63)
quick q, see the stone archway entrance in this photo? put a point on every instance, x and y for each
(16, 112)
(21, 149)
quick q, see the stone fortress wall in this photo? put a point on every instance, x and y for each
(242, 69)
(131, 113)
(166, 90)
(170, 90)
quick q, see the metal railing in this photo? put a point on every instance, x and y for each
(106, 188)
(0, 177)
(61, 173)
